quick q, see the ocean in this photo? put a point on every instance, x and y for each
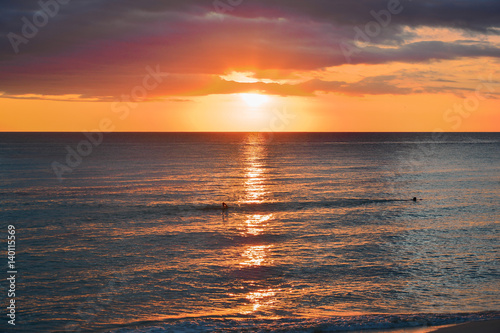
(124, 232)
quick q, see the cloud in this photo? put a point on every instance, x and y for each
(377, 85)
(421, 52)
(480, 16)
(99, 49)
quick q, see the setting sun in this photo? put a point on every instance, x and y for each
(254, 100)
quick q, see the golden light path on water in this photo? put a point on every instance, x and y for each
(256, 256)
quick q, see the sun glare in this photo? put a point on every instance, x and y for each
(254, 100)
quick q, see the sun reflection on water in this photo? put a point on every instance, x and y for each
(255, 177)
(256, 224)
(260, 298)
(256, 256)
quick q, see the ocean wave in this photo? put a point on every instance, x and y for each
(196, 209)
(331, 324)
(293, 205)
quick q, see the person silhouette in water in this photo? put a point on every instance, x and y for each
(414, 199)
(224, 206)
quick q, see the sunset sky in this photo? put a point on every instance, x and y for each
(250, 65)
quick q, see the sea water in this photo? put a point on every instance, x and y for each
(321, 232)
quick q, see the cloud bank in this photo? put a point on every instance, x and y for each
(99, 49)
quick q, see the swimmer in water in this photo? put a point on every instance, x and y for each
(414, 199)
(224, 206)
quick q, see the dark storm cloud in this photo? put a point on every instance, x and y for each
(479, 15)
